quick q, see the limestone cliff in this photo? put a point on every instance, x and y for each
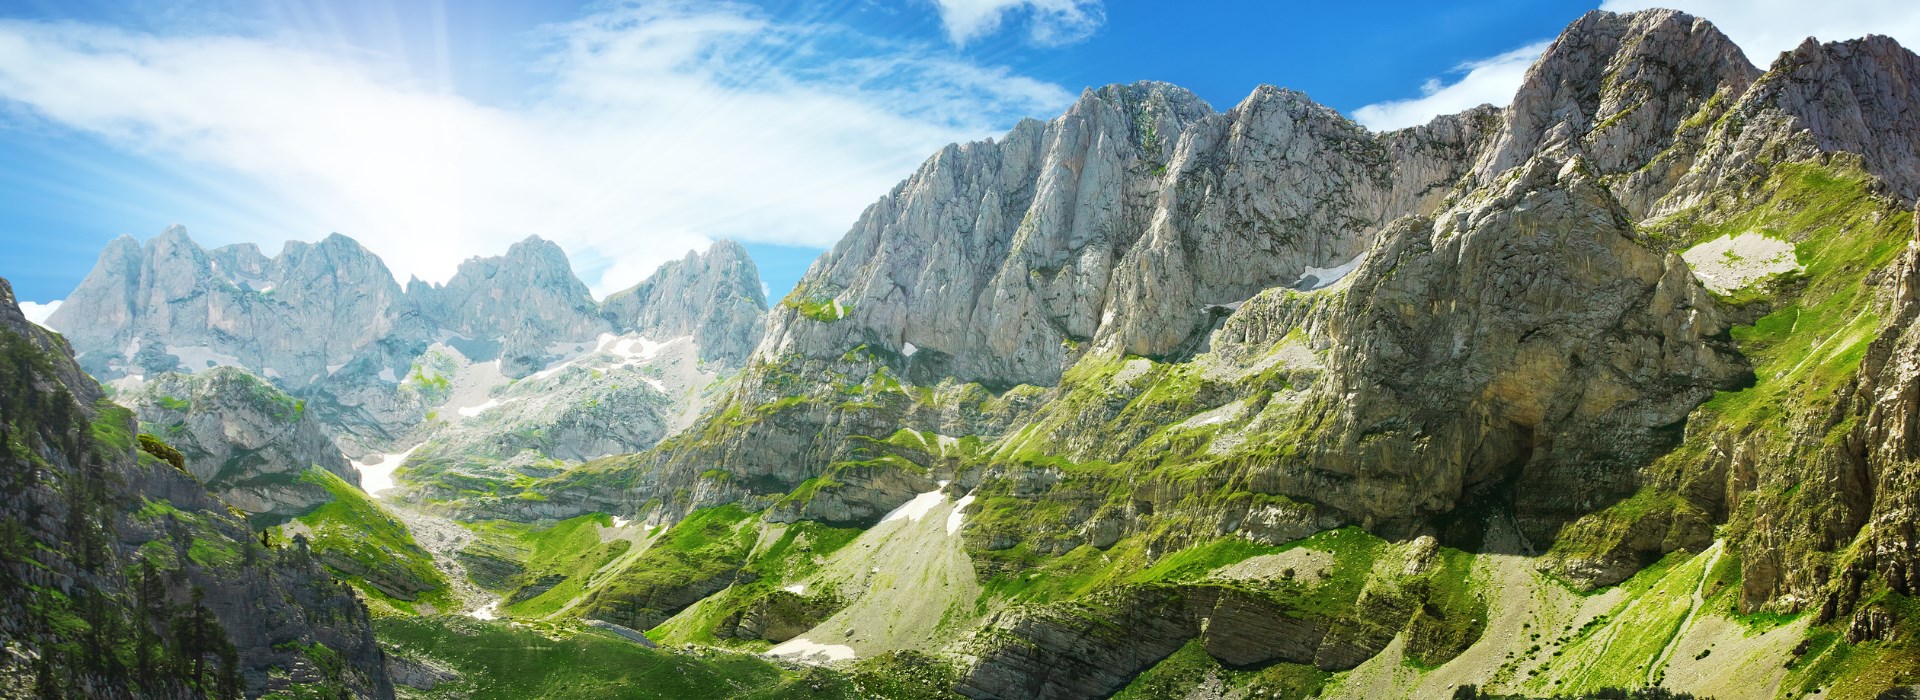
(715, 297)
(248, 441)
(123, 575)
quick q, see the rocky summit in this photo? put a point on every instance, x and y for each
(1612, 391)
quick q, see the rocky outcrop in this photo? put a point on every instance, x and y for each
(779, 616)
(1117, 225)
(1624, 92)
(170, 305)
(1524, 335)
(715, 297)
(247, 440)
(102, 535)
(512, 307)
(1854, 97)
(1077, 650)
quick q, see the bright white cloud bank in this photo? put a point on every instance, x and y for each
(1762, 29)
(1049, 22)
(666, 125)
(38, 312)
(1487, 81)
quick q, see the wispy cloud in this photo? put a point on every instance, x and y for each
(1486, 81)
(1049, 22)
(666, 124)
(1764, 28)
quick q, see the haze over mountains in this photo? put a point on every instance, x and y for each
(1611, 387)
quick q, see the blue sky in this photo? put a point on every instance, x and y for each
(630, 132)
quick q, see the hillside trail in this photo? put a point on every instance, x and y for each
(1654, 669)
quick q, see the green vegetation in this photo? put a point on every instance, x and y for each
(695, 558)
(1807, 346)
(499, 660)
(558, 562)
(164, 452)
(824, 310)
(786, 554)
(363, 544)
(1191, 666)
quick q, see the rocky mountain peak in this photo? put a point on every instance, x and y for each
(1117, 225)
(715, 297)
(1613, 88)
(1857, 96)
(524, 300)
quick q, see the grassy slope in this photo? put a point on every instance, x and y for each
(1809, 343)
(355, 527)
(504, 661)
(570, 549)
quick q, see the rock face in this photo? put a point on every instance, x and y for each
(373, 363)
(1119, 224)
(1853, 97)
(1889, 406)
(715, 297)
(1157, 326)
(1622, 91)
(100, 533)
(514, 306)
(247, 440)
(172, 305)
(1523, 336)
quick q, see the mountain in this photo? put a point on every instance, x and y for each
(384, 370)
(1606, 392)
(123, 575)
(248, 441)
(1616, 370)
(714, 297)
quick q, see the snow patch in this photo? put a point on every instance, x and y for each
(620, 522)
(796, 589)
(386, 375)
(1324, 277)
(908, 349)
(803, 649)
(609, 352)
(271, 373)
(377, 475)
(488, 612)
(471, 411)
(1219, 415)
(917, 508)
(839, 311)
(655, 383)
(956, 518)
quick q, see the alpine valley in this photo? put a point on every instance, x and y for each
(1610, 392)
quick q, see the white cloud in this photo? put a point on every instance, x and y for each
(1486, 81)
(1049, 22)
(38, 312)
(664, 125)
